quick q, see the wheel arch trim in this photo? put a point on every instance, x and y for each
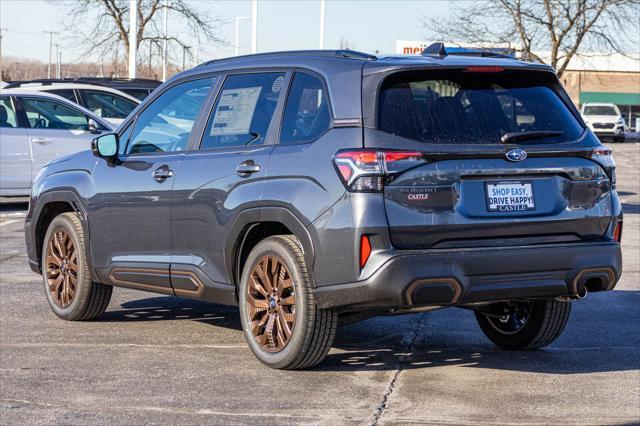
(57, 196)
(248, 220)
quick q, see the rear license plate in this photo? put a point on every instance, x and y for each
(509, 196)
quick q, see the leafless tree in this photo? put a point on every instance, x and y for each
(563, 28)
(102, 26)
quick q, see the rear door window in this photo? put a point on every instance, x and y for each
(107, 105)
(7, 113)
(244, 109)
(65, 93)
(464, 107)
(306, 115)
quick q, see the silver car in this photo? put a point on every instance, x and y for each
(36, 127)
(110, 104)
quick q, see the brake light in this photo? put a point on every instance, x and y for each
(617, 232)
(365, 250)
(484, 69)
(367, 170)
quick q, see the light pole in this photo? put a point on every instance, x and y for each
(164, 42)
(133, 36)
(238, 19)
(322, 7)
(57, 60)
(184, 56)
(1, 31)
(51, 33)
(254, 26)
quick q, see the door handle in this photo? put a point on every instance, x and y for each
(41, 141)
(162, 173)
(247, 168)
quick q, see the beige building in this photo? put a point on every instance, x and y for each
(610, 79)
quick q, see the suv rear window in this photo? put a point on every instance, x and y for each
(456, 106)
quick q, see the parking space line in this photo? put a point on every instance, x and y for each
(9, 222)
(195, 411)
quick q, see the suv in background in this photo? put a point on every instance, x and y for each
(110, 104)
(605, 120)
(315, 187)
(139, 88)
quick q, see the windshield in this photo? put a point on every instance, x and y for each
(456, 106)
(599, 110)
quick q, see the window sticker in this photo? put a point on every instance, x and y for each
(277, 84)
(235, 111)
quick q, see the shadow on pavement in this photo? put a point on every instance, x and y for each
(600, 337)
(173, 308)
(630, 208)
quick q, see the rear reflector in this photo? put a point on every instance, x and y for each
(365, 250)
(617, 232)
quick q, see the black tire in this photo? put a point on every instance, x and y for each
(313, 328)
(544, 322)
(91, 298)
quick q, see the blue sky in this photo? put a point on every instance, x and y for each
(282, 25)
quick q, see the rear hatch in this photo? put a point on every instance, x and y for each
(501, 158)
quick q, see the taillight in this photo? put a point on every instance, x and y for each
(365, 250)
(603, 156)
(617, 232)
(367, 170)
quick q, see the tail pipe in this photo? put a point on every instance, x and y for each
(590, 280)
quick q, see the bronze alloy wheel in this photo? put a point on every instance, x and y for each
(62, 268)
(271, 303)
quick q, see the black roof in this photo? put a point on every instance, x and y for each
(435, 54)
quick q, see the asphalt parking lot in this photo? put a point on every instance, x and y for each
(163, 360)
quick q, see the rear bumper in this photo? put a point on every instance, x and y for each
(464, 276)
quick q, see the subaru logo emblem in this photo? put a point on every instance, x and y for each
(516, 155)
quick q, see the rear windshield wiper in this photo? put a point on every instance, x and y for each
(529, 136)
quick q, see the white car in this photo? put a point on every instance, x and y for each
(605, 120)
(110, 104)
(36, 127)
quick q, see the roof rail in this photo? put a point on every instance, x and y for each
(48, 82)
(342, 53)
(94, 81)
(115, 80)
(438, 49)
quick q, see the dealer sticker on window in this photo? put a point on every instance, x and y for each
(510, 196)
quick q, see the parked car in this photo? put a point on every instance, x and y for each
(110, 104)
(315, 187)
(139, 88)
(36, 127)
(605, 120)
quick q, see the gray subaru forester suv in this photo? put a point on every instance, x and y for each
(316, 188)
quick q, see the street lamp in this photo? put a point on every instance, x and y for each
(184, 56)
(238, 19)
(254, 26)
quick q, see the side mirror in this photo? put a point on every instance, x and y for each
(93, 127)
(106, 146)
